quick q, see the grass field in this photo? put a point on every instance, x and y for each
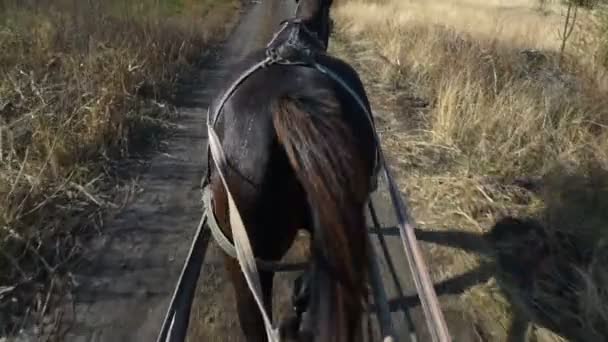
(83, 84)
(502, 151)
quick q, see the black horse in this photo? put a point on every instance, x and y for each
(301, 154)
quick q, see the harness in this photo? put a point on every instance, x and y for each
(303, 52)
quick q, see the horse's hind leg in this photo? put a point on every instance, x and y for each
(250, 318)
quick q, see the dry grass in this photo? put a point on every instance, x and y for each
(481, 123)
(82, 84)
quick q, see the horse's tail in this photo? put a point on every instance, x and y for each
(323, 152)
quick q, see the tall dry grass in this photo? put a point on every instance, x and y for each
(82, 84)
(481, 123)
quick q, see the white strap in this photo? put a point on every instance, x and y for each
(244, 251)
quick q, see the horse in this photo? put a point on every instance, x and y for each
(301, 154)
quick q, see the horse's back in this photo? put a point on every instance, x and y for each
(246, 125)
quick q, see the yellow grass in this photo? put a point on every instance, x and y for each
(472, 104)
(82, 84)
(482, 19)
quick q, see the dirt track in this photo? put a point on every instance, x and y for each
(125, 287)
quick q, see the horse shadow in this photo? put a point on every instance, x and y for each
(550, 267)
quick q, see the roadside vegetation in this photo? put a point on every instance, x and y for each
(83, 85)
(498, 132)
